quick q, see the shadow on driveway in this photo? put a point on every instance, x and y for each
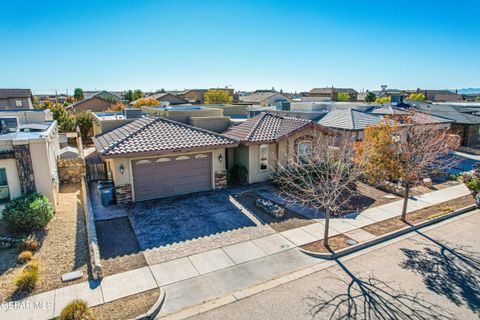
(175, 219)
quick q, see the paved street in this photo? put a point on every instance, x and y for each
(447, 281)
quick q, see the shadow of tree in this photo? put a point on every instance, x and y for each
(371, 298)
(453, 272)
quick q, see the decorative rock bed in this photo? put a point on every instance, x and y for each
(7, 242)
(270, 207)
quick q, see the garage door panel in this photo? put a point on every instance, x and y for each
(158, 177)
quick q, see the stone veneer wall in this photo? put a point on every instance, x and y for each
(71, 170)
(220, 179)
(25, 168)
(124, 193)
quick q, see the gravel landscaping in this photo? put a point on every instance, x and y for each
(392, 224)
(335, 243)
(290, 220)
(63, 248)
(128, 307)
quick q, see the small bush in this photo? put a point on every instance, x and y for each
(238, 175)
(28, 213)
(25, 256)
(29, 245)
(473, 184)
(76, 310)
(32, 265)
(27, 280)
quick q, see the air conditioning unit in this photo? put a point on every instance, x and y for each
(8, 124)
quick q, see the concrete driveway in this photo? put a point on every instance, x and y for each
(177, 226)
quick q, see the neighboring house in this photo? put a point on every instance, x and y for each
(263, 99)
(332, 93)
(191, 95)
(267, 139)
(466, 125)
(28, 159)
(154, 157)
(14, 99)
(441, 95)
(88, 94)
(165, 98)
(100, 101)
(349, 121)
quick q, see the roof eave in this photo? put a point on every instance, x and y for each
(169, 151)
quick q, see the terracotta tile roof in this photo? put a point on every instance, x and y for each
(267, 127)
(156, 135)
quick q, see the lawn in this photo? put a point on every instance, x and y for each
(63, 248)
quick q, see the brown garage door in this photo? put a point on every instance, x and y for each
(164, 176)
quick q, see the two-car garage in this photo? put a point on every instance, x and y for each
(165, 176)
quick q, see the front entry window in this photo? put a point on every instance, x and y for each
(4, 192)
(304, 150)
(263, 154)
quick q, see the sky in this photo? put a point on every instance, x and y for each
(288, 45)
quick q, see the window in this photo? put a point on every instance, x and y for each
(18, 103)
(4, 192)
(304, 149)
(263, 154)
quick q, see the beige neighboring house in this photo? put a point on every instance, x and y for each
(154, 157)
(16, 99)
(28, 158)
(332, 93)
(267, 139)
(263, 99)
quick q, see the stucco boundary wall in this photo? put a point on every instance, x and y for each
(93, 249)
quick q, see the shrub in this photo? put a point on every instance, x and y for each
(24, 256)
(27, 279)
(238, 175)
(32, 265)
(473, 184)
(28, 213)
(76, 310)
(29, 245)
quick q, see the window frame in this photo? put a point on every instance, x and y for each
(18, 103)
(264, 159)
(300, 156)
(6, 199)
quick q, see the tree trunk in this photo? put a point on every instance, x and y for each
(405, 202)
(327, 223)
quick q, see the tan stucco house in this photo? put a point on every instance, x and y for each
(268, 139)
(100, 101)
(16, 99)
(154, 157)
(28, 159)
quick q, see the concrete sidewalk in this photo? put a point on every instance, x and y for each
(214, 272)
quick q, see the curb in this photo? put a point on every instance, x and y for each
(386, 237)
(155, 309)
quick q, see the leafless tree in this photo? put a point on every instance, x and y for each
(322, 178)
(422, 149)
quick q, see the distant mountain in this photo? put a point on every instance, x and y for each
(468, 91)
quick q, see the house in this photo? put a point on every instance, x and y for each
(96, 102)
(89, 94)
(441, 95)
(28, 158)
(154, 157)
(11, 99)
(349, 121)
(466, 125)
(100, 101)
(191, 95)
(268, 138)
(165, 98)
(263, 99)
(332, 93)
